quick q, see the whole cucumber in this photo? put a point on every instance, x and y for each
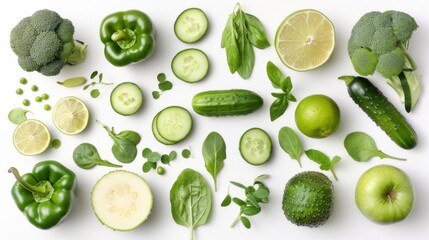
(226, 102)
(372, 101)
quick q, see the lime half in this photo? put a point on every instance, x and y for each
(305, 40)
(70, 115)
(31, 137)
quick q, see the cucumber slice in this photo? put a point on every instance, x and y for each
(121, 200)
(156, 133)
(190, 65)
(174, 123)
(126, 98)
(255, 146)
(191, 25)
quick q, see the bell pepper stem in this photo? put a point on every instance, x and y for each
(41, 190)
(125, 38)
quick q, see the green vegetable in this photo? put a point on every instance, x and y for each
(186, 153)
(191, 25)
(324, 161)
(38, 99)
(47, 107)
(86, 156)
(308, 199)
(19, 91)
(226, 102)
(163, 85)
(26, 102)
(34, 88)
(44, 42)
(160, 170)
(290, 143)
(94, 92)
(255, 146)
(214, 153)
(124, 145)
(381, 111)
(191, 200)
(73, 82)
(128, 37)
(361, 147)
(23, 81)
(56, 143)
(45, 195)
(152, 159)
(279, 81)
(242, 32)
(45, 96)
(379, 42)
(256, 194)
(17, 115)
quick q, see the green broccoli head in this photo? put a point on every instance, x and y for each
(43, 40)
(392, 63)
(403, 26)
(364, 61)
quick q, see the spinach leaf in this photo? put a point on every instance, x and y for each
(214, 153)
(130, 135)
(362, 147)
(191, 200)
(86, 156)
(290, 143)
(229, 42)
(17, 115)
(323, 160)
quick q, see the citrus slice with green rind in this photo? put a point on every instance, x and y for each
(31, 137)
(70, 115)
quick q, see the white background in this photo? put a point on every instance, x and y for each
(346, 221)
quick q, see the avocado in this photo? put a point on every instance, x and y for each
(308, 199)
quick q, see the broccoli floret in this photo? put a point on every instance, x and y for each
(44, 42)
(378, 42)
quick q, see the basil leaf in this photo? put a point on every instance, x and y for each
(226, 201)
(247, 57)
(214, 153)
(362, 147)
(290, 143)
(278, 107)
(274, 74)
(323, 160)
(256, 32)
(17, 116)
(229, 42)
(191, 200)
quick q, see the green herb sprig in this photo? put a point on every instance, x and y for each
(323, 160)
(163, 85)
(96, 91)
(279, 81)
(256, 194)
(153, 158)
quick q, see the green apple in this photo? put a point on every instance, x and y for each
(384, 194)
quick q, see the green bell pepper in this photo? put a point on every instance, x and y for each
(46, 195)
(128, 37)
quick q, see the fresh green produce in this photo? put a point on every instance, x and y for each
(290, 143)
(23, 81)
(384, 194)
(128, 37)
(186, 153)
(70, 115)
(86, 156)
(47, 107)
(379, 42)
(317, 116)
(31, 137)
(26, 102)
(361, 147)
(95, 92)
(279, 81)
(191, 25)
(190, 65)
(214, 154)
(242, 32)
(45, 195)
(323, 160)
(160, 170)
(19, 91)
(56, 143)
(163, 85)
(256, 194)
(191, 200)
(153, 158)
(226, 102)
(34, 88)
(172, 125)
(125, 143)
(308, 199)
(382, 112)
(44, 42)
(72, 82)
(255, 146)
(17, 115)
(121, 200)
(126, 98)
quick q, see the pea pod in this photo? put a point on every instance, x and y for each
(73, 82)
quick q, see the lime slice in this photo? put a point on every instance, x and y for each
(31, 137)
(70, 115)
(305, 40)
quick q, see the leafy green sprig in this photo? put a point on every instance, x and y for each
(96, 91)
(163, 85)
(153, 158)
(256, 194)
(323, 160)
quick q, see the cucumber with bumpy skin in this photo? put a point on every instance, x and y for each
(226, 102)
(372, 101)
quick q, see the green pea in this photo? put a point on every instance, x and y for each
(45, 96)
(19, 91)
(38, 99)
(47, 107)
(56, 143)
(26, 102)
(34, 88)
(160, 170)
(23, 80)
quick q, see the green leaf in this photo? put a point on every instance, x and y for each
(146, 152)
(172, 155)
(290, 143)
(186, 153)
(165, 159)
(256, 31)
(214, 153)
(278, 107)
(100, 77)
(323, 160)
(93, 74)
(226, 201)
(259, 178)
(161, 77)
(154, 157)
(290, 97)
(165, 86)
(251, 199)
(86, 86)
(156, 94)
(239, 202)
(245, 221)
(95, 93)
(274, 74)
(261, 193)
(251, 210)
(130, 135)
(17, 115)
(247, 58)
(362, 147)
(237, 184)
(147, 166)
(229, 42)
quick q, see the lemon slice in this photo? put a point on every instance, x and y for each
(70, 115)
(31, 137)
(305, 40)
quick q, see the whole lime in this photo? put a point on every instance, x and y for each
(317, 116)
